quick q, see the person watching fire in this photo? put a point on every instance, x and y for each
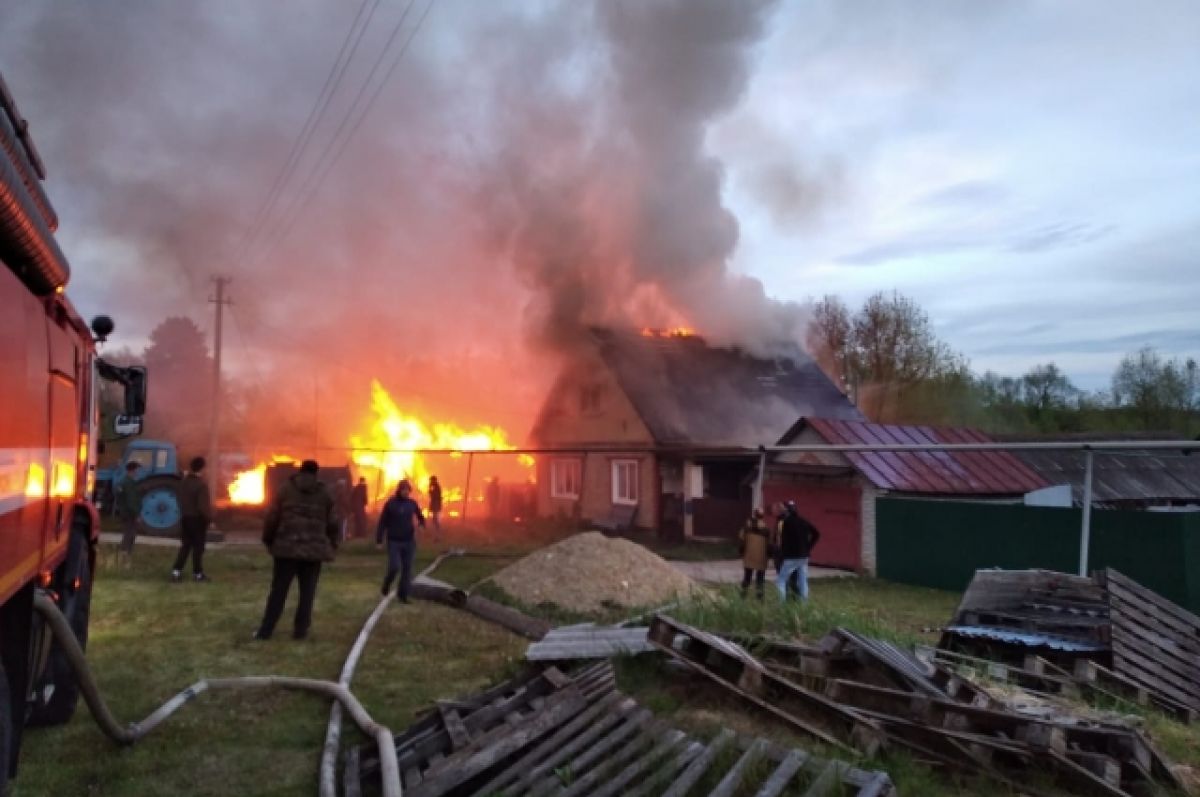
(300, 530)
(435, 506)
(358, 505)
(398, 521)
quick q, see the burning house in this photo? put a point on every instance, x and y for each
(658, 430)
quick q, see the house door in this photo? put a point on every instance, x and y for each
(836, 511)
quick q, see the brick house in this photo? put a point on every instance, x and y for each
(660, 432)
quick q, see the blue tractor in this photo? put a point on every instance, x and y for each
(158, 485)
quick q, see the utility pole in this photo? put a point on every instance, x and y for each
(213, 435)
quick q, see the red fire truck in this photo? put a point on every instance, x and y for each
(48, 444)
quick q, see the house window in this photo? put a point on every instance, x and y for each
(565, 478)
(625, 481)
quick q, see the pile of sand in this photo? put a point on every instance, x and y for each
(588, 572)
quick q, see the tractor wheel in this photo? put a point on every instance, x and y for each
(57, 691)
(158, 497)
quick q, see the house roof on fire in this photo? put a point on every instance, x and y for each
(690, 393)
(930, 472)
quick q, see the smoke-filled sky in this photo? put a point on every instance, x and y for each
(1027, 171)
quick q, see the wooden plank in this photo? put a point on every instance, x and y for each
(1082, 778)
(658, 780)
(562, 743)
(734, 777)
(617, 784)
(606, 722)
(879, 785)
(1170, 612)
(455, 729)
(496, 746)
(1132, 662)
(583, 761)
(584, 783)
(683, 784)
(735, 669)
(1148, 631)
(824, 782)
(783, 774)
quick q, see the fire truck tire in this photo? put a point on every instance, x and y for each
(159, 496)
(75, 589)
(5, 731)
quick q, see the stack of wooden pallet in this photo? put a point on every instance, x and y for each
(548, 733)
(862, 693)
(1107, 631)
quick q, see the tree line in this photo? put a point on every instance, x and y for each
(886, 357)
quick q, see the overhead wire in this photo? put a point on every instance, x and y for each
(328, 161)
(333, 80)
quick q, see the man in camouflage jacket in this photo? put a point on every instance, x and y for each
(300, 530)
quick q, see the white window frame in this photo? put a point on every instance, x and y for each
(626, 491)
(566, 477)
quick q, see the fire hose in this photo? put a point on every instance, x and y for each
(127, 735)
(333, 731)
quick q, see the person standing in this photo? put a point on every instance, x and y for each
(195, 506)
(753, 538)
(341, 504)
(358, 505)
(435, 506)
(398, 522)
(300, 531)
(797, 537)
(128, 507)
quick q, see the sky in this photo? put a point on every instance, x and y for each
(1027, 171)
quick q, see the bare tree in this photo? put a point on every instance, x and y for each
(1159, 391)
(830, 339)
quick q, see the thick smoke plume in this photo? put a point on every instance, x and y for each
(526, 173)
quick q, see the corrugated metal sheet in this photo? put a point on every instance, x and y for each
(1141, 476)
(1025, 638)
(583, 642)
(929, 472)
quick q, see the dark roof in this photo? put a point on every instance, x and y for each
(1126, 476)
(688, 392)
(932, 472)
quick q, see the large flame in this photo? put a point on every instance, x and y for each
(249, 487)
(391, 448)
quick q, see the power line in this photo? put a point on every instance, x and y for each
(320, 106)
(293, 211)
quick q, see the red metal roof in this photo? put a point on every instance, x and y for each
(936, 472)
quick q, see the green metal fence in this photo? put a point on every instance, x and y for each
(942, 543)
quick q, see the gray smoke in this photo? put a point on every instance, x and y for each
(528, 172)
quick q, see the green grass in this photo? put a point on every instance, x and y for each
(151, 638)
(881, 609)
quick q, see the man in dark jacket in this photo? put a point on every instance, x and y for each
(300, 530)
(797, 537)
(399, 521)
(128, 507)
(358, 505)
(195, 506)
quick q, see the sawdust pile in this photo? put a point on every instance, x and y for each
(590, 572)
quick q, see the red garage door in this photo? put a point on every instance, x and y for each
(835, 510)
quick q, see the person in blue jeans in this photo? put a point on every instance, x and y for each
(797, 537)
(398, 522)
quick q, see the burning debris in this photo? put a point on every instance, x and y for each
(398, 445)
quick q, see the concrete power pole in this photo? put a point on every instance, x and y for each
(213, 431)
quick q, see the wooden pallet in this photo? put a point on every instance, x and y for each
(573, 735)
(1155, 643)
(732, 667)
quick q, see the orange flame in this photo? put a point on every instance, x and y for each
(249, 487)
(390, 449)
(673, 332)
